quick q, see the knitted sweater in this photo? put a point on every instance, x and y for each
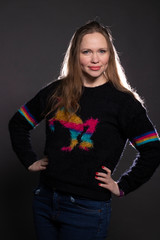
(93, 137)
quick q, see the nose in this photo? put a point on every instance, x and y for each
(95, 58)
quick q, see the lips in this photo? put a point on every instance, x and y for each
(95, 68)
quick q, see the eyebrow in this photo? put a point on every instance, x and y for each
(91, 49)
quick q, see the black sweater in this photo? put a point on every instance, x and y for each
(94, 137)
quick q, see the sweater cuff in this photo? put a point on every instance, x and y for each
(27, 158)
(121, 191)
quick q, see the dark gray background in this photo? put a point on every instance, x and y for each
(34, 36)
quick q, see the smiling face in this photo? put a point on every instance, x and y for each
(94, 57)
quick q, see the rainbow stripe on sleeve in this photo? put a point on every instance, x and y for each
(28, 116)
(146, 138)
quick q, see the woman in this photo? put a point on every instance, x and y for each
(90, 113)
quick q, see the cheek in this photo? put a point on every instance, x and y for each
(83, 61)
(105, 60)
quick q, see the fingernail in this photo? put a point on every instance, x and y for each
(96, 177)
(97, 173)
(99, 184)
(103, 166)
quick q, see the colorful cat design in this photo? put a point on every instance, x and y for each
(76, 127)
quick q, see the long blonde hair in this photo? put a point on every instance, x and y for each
(69, 91)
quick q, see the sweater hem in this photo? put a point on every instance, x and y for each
(76, 191)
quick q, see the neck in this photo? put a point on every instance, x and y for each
(93, 82)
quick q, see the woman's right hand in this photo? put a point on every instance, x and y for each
(39, 165)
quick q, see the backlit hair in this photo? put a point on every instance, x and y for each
(69, 91)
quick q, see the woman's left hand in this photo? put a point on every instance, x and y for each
(107, 181)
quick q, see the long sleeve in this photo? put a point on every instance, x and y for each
(25, 119)
(143, 136)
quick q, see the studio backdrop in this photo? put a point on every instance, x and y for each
(34, 36)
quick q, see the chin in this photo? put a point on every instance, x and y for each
(94, 75)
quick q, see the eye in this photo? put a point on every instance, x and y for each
(86, 52)
(102, 50)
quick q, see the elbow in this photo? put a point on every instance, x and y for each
(11, 124)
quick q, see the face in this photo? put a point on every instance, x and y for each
(94, 57)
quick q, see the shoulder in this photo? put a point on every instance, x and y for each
(46, 92)
(43, 95)
(126, 100)
(50, 88)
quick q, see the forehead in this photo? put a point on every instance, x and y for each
(92, 40)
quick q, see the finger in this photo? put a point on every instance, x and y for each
(42, 168)
(104, 180)
(101, 174)
(106, 169)
(45, 159)
(44, 164)
(104, 185)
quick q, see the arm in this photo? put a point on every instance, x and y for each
(138, 128)
(20, 125)
(145, 139)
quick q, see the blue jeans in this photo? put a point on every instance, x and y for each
(59, 216)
